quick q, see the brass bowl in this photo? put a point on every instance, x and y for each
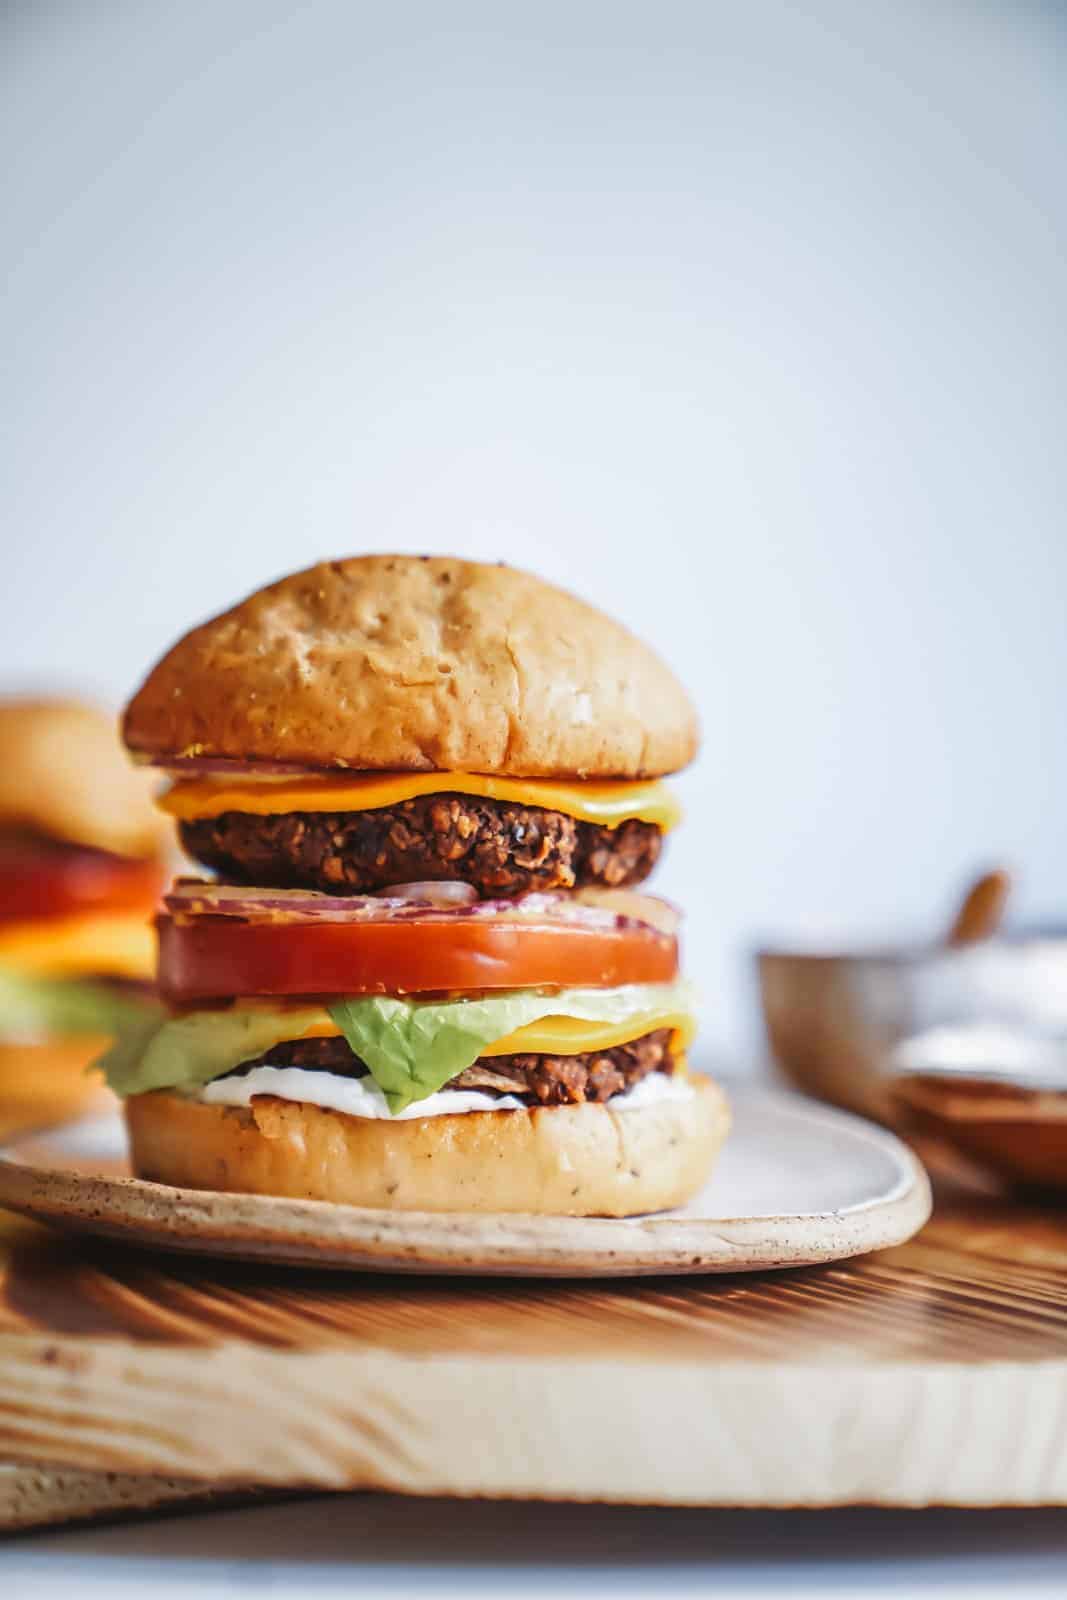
(970, 1044)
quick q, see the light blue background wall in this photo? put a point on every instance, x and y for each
(746, 321)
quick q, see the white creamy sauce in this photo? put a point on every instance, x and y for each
(361, 1097)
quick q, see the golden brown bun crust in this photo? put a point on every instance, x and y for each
(64, 773)
(405, 663)
(46, 1083)
(573, 1161)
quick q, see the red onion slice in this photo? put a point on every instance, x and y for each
(449, 893)
(201, 897)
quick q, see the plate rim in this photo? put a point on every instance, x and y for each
(271, 1228)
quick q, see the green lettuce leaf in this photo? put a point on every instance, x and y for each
(185, 1052)
(414, 1047)
(42, 1008)
(411, 1047)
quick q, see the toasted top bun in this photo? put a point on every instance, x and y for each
(415, 664)
(64, 773)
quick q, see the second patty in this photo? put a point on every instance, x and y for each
(542, 1079)
(501, 848)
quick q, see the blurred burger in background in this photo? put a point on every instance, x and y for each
(81, 868)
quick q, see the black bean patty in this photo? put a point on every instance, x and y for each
(545, 1080)
(500, 848)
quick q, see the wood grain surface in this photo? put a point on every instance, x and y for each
(933, 1372)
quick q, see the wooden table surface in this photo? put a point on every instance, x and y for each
(935, 1372)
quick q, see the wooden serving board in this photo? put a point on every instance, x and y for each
(35, 1495)
(934, 1372)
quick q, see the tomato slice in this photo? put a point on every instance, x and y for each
(39, 879)
(215, 957)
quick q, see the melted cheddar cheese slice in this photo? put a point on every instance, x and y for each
(609, 804)
(98, 945)
(565, 1036)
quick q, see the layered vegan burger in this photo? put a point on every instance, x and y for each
(81, 870)
(423, 976)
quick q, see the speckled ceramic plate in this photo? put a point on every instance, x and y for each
(796, 1184)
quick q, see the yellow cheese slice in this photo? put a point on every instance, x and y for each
(326, 1029)
(564, 1036)
(108, 944)
(609, 804)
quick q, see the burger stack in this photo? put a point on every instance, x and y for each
(421, 975)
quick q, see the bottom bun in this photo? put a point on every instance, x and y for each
(576, 1161)
(48, 1081)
